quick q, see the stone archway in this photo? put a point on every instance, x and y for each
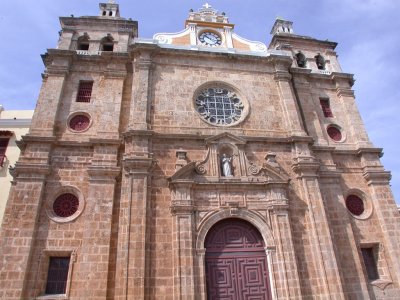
(236, 265)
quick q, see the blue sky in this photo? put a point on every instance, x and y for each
(366, 30)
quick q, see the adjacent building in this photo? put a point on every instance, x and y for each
(197, 165)
(13, 124)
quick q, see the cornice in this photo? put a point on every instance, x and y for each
(376, 176)
(28, 171)
(260, 138)
(204, 51)
(301, 38)
(113, 24)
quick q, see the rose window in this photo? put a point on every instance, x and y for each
(219, 106)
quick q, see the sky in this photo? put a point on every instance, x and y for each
(367, 32)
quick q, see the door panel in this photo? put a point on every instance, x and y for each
(236, 263)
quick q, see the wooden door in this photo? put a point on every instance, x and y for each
(236, 263)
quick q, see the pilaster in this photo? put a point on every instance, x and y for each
(95, 249)
(355, 125)
(323, 252)
(287, 283)
(386, 210)
(289, 104)
(19, 227)
(58, 65)
(133, 235)
(141, 102)
(183, 235)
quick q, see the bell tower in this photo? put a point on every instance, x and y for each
(110, 9)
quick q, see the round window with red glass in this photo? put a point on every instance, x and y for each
(66, 205)
(79, 122)
(355, 205)
(334, 133)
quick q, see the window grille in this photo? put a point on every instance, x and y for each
(326, 109)
(84, 91)
(57, 275)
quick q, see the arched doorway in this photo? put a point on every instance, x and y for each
(236, 263)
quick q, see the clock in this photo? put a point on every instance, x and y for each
(219, 106)
(210, 38)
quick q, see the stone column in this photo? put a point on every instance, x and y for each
(291, 111)
(19, 227)
(286, 284)
(92, 270)
(323, 252)
(183, 242)
(133, 234)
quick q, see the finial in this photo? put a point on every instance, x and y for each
(206, 5)
(111, 1)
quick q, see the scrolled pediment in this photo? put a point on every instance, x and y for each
(226, 163)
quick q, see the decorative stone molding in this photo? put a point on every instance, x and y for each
(373, 176)
(138, 165)
(29, 171)
(208, 171)
(380, 283)
(252, 217)
(181, 159)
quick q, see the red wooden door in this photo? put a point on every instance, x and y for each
(236, 263)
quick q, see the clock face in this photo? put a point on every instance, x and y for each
(219, 106)
(210, 38)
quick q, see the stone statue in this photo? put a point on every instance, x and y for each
(226, 165)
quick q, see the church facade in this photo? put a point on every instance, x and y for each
(197, 165)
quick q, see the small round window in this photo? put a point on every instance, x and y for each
(220, 106)
(65, 205)
(79, 122)
(355, 205)
(334, 133)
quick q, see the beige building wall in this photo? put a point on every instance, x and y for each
(17, 122)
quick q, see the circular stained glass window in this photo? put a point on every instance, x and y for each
(334, 133)
(355, 205)
(219, 106)
(79, 123)
(66, 205)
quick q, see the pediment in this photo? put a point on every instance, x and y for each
(225, 137)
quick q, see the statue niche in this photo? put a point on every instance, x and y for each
(226, 156)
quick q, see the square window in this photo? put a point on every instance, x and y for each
(57, 275)
(84, 91)
(369, 259)
(326, 109)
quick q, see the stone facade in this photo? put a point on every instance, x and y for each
(141, 165)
